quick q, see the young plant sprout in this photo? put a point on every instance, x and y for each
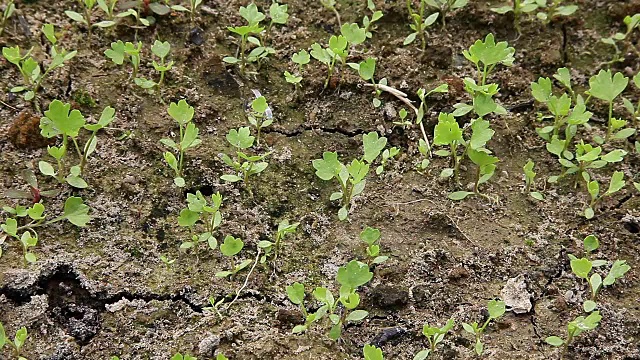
(167, 262)
(371, 237)
(546, 13)
(487, 54)
(278, 15)
(301, 58)
(337, 49)
(496, 309)
(446, 6)
(350, 277)
(245, 166)
(9, 9)
(120, 52)
(16, 344)
(632, 23)
(75, 211)
(582, 268)
(530, 181)
(260, 115)
(35, 193)
(161, 50)
(419, 23)
(351, 177)
(633, 110)
(574, 329)
(179, 356)
(108, 7)
(616, 183)
(434, 335)
(367, 23)
(60, 120)
(331, 6)
(366, 69)
(371, 352)
(182, 113)
(230, 248)
(88, 7)
(31, 70)
(284, 228)
(137, 15)
(193, 7)
(201, 210)
(387, 155)
(608, 87)
(253, 17)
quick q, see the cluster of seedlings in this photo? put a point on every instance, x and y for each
(585, 152)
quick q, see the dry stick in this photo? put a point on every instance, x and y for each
(403, 97)
(246, 280)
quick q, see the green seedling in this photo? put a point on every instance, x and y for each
(448, 133)
(387, 155)
(371, 237)
(496, 309)
(229, 248)
(140, 21)
(369, 23)
(350, 277)
(301, 58)
(405, 122)
(446, 6)
(60, 120)
(530, 181)
(419, 23)
(182, 113)
(608, 87)
(245, 166)
(35, 193)
(574, 329)
(546, 12)
(616, 183)
(487, 54)
(207, 214)
(253, 17)
(16, 344)
(582, 268)
(366, 69)
(633, 110)
(74, 211)
(632, 23)
(9, 9)
(166, 261)
(331, 6)
(108, 7)
(424, 144)
(587, 157)
(88, 7)
(337, 49)
(278, 15)
(372, 352)
(192, 9)
(284, 228)
(31, 70)
(434, 335)
(179, 356)
(120, 52)
(351, 177)
(161, 50)
(260, 115)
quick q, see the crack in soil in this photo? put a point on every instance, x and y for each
(300, 130)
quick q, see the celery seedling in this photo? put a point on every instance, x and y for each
(446, 6)
(31, 70)
(108, 7)
(182, 113)
(616, 183)
(246, 165)
(487, 54)
(278, 15)
(546, 12)
(350, 277)
(229, 248)
(193, 7)
(419, 23)
(253, 17)
(301, 58)
(582, 268)
(632, 23)
(434, 335)
(61, 120)
(260, 115)
(366, 69)
(284, 228)
(372, 352)
(337, 50)
(88, 7)
(371, 237)
(574, 329)
(120, 51)
(607, 87)
(161, 50)
(9, 9)
(16, 344)
(530, 181)
(351, 177)
(496, 309)
(331, 6)
(201, 210)
(179, 356)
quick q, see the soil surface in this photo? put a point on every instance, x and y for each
(102, 290)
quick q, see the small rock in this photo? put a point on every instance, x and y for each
(389, 111)
(195, 36)
(207, 347)
(387, 335)
(515, 295)
(389, 297)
